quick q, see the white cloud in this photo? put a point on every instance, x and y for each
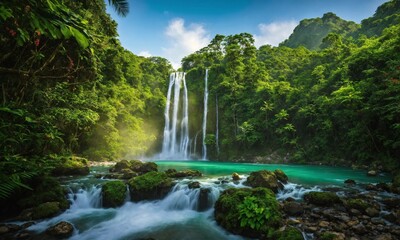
(274, 33)
(145, 54)
(183, 40)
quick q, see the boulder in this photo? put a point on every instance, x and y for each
(183, 174)
(204, 203)
(289, 233)
(150, 186)
(293, 208)
(235, 177)
(192, 185)
(121, 165)
(62, 229)
(264, 178)
(281, 176)
(372, 173)
(356, 203)
(350, 182)
(132, 168)
(113, 193)
(322, 198)
(71, 166)
(372, 212)
(251, 212)
(44, 210)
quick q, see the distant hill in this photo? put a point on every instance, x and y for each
(388, 14)
(310, 32)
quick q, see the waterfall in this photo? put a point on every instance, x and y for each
(216, 125)
(170, 147)
(205, 115)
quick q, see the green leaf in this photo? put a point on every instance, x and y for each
(79, 37)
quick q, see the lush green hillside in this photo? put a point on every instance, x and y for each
(310, 32)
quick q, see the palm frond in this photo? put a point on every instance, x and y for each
(120, 6)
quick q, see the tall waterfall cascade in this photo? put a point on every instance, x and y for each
(205, 115)
(176, 139)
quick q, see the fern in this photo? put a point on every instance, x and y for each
(13, 182)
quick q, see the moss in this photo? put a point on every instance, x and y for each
(357, 203)
(44, 210)
(322, 198)
(184, 173)
(281, 176)
(327, 236)
(71, 166)
(235, 205)
(113, 193)
(152, 185)
(290, 233)
(46, 189)
(264, 178)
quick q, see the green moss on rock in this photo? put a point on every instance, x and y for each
(44, 210)
(322, 198)
(357, 203)
(152, 185)
(45, 189)
(290, 233)
(113, 193)
(248, 212)
(264, 178)
(184, 173)
(71, 166)
(281, 176)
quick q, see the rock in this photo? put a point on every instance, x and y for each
(23, 235)
(291, 233)
(391, 217)
(113, 193)
(235, 177)
(383, 187)
(350, 182)
(204, 203)
(72, 165)
(323, 224)
(150, 186)
(372, 173)
(293, 208)
(372, 212)
(121, 165)
(4, 229)
(359, 229)
(61, 230)
(264, 178)
(44, 210)
(352, 223)
(322, 198)
(354, 212)
(192, 185)
(182, 174)
(391, 203)
(371, 187)
(281, 176)
(237, 210)
(356, 203)
(386, 236)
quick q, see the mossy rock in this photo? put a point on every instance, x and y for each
(249, 212)
(184, 173)
(264, 178)
(113, 193)
(44, 210)
(121, 165)
(357, 203)
(290, 233)
(134, 166)
(71, 166)
(281, 176)
(45, 189)
(149, 186)
(322, 198)
(327, 236)
(62, 229)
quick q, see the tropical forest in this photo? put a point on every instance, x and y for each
(298, 140)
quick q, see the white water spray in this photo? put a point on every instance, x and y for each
(205, 115)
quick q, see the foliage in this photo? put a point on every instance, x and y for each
(113, 193)
(249, 212)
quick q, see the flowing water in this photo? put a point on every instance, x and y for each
(184, 213)
(205, 115)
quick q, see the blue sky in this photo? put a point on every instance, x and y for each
(175, 28)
